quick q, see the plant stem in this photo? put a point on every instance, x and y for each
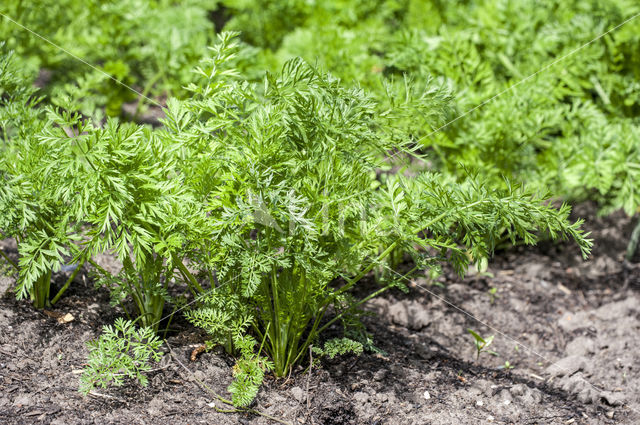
(337, 317)
(67, 283)
(166, 329)
(191, 280)
(633, 242)
(40, 290)
(9, 260)
(97, 266)
(146, 91)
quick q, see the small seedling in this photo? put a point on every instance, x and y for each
(482, 344)
(506, 366)
(493, 294)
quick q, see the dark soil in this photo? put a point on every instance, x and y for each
(569, 329)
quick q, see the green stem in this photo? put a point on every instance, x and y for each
(276, 339)
(67, 283)
(97, 266)
(191, 280)
(9, 260)
(166, 329)
(633, 242)
(40, 291)
(315, 331)
(126, 312)
(145, 92)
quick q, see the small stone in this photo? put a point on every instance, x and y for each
(490, 418)
(22, 400)
(585, 396)
(570, 322)
(610, 414)
(612, 399)
(380, 375)
(426, 395)
(411, 315)
(382, 397)
(361, 397)
(298, 394)
(567, 366)
(506, 396)
(155, 406)
(480, 403)
(580, 346)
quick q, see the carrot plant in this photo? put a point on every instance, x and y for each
(121, 351)
(286, 171)
(573, 129)
(264, 201)
(73, 189)
(33, 214)
(121, 182)
(147, 44)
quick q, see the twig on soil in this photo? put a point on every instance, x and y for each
(6, 353)
(288, 377)
(110, 397)
(206, 388)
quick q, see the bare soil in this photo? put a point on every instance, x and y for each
(570, 330)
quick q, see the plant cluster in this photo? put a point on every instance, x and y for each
(150, 45)
(265, 203)
(572, 129)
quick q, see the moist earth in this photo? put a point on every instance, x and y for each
(566, 352)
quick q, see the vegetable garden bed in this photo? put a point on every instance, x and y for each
(427, 350)
(321, 212)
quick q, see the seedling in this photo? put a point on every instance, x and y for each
(506, 366)
(493, 294)
(482, 344)
(121, 352)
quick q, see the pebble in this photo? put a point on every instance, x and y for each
(567, 366)
(426, 395)
(22, 400)
(380, 375)
(612, 399)
(298, 394)
(410, 315)
(479, 403)
(361, 397)
(580, 346)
